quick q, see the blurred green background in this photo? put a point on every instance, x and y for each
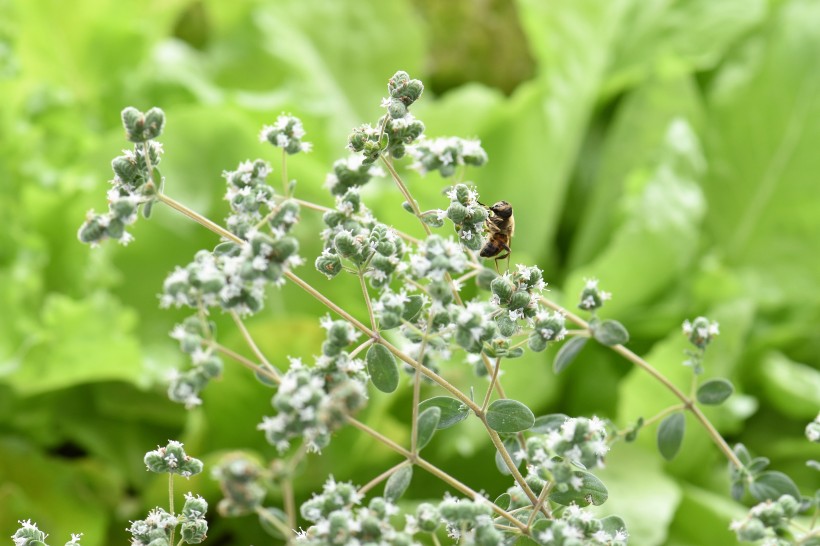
(669, 148)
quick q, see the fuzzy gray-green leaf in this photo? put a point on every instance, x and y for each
(715, 391)
(567, 353)
(670, 435)
(398, 483)
(509, 416)
(452, 411)
(427, 424)
(381, 364)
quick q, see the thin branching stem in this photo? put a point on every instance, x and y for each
(246, 335)
(688, 403)
(381, 477)
(487, 396)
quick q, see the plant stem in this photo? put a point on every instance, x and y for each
(367, 301)
(545, 491)
(381, 477)
(251, 343)
(285, 189)
(406, 193)
(432, 469)
(519, 479)
(196, 217)
(171, 503)
(648, 368)
(290, 501)
(251, 365)
(492, 383)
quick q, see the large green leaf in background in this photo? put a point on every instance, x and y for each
(764, 108)
(533, 142)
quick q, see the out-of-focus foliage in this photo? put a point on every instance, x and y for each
(668, 148)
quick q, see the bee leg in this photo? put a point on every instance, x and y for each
(507, 256)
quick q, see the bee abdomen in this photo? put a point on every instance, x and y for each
(489, 250)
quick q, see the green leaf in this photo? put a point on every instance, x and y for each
(452, 411)
(715, 391)
(503, 501)
(763, 200)
(655, 232)
(427, 424)
(538, 134)
(612, 524)
(412, 307)
(670, 435)
(511, 445)
(679, 37)
(509, 416)
(743, 454)
(547, 423)
(609, 333)
(567, 353)
(381, 364)
(81, 341)
(771, 485)
(790, 386)
(592, 491)
(397, 483)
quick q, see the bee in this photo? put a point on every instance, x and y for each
(500, 226)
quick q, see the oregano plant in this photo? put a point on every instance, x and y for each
(417, 329)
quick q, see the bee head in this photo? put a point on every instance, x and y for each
(502, 209)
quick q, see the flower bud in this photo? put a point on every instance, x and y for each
(284, 248)
(345, 244)
(141, 127)
(396, 109)
(329, 264)
(700, 331)
(195, 507)
(127, 171)
(591, 297)
(92, 230)
(440, 291)
(358, 138)
(506, 325)
(212, 367)
(519, 300)
(427, 517)
(194, 532)
(457, 213)
(502, 287)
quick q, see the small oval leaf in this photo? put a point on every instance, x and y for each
(547, 423)
(567, 353)
(381, 364)
(503, 501)
(771, 485)
(670, 435)
(509, 416)
(397, 483)
(412, 307)
(715, 391)
(515, 454)
(428, 421)
(610, 332)
(592, 491)
(452, 411)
